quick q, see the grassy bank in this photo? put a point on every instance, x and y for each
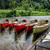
(9, 13)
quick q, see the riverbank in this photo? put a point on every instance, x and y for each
(17, 13)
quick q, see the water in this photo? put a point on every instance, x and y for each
(7, 38)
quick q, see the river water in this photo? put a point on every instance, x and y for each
(7, 37)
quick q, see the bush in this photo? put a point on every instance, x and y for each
(8, 13)
(3, 15)
(11, 13)
(23, 13)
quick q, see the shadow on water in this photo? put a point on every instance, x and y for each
(2, 32)
(20, 34)
(23, 39)
(11, 31)
(23, 34)
(28, 35)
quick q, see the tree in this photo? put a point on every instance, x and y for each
(2, 4)
(25, 4)
(12, 4)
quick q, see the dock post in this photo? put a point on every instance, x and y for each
(15, 36)
(0, 28)
(41, 41)
(35, 47)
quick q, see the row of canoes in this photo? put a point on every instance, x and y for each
(11, 24)
(24, 24)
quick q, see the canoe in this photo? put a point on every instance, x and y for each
(4, 24)
(40, 27)
(20, 26)
(29, 26)
(12, 23)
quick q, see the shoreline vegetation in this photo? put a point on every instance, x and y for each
(17, 8)
(18, 13)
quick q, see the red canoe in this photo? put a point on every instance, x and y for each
(4, 24)
(20, 26)
(29, 27)
(13, 23)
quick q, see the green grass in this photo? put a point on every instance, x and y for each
(8, 13)
(40, 13)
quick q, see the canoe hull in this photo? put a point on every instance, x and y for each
(40, 29)
(4, 25)
(18, 28)
(29, 28)
(11, 25)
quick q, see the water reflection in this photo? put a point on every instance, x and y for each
(28, 35)
(23, 40)
(29, 40)
(11, 31)
(21, 36)
(3, 32)
(9, 40)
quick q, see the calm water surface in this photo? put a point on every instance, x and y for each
(7, 37)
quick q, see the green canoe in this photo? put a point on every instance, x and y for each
(38, 29)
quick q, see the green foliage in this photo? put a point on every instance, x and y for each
(33, 5)
(25, 4)
(3, 14)
(11, 13)
(4, 4)
(19, 8)
(16, 13)
(12, 4)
